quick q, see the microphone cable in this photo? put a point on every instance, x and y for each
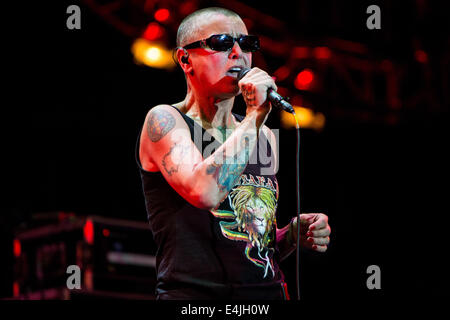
(282, 104)
(297, 158)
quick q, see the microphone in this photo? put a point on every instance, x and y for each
(276, 100)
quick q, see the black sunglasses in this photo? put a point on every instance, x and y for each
(224, 42)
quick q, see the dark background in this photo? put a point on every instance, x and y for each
(75, 102)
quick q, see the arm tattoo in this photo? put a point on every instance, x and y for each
(172, 159)
(159, 123)
(223, 132)
(226, 170)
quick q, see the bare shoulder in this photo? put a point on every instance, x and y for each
(160, 120)
(157, 135)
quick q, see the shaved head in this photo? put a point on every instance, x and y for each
(190, 26)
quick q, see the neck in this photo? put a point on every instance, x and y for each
(211, 112)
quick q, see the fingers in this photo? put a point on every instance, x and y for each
(318, 244)
(254, 88)
(258, 78)
(319, 248)
(318, 231)
(323, 232)
(322, 241)
(321, 221)
(318, 241)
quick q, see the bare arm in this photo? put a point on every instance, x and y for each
(206, 182)
(202, 182)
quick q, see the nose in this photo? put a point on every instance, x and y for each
(236, 51)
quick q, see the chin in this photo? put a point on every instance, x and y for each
(226, 89)
(228, 95)
(234, 92)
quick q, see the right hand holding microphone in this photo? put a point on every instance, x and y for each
(254, 86)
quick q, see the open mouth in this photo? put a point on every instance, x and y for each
(234, 71)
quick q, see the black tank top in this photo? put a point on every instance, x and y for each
(228, 253)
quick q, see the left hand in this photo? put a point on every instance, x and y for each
(314, 231)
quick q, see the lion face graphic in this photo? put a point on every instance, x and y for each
(253, 216)
(255, 213)
(252, 220)
(255, 208)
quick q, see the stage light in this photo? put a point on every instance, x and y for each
(153, 31)
(88, 232)
(322, 53)
(106, 232)
(304, 79)
(306, 118)
(152, 54)
(162, 15)
(151, 49)
(300, 52)
(16, 289)
(282, 73)
(421, 56)
(17, 248)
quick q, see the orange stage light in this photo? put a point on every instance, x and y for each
(306, 118)
(152, 54)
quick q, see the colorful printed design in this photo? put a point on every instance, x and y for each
(253, 203)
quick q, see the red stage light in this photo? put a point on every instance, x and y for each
(153, 31)
(322, 53)
(282, 73)
(17, 248)
(304, 79)
(300, 52)
(421, 56)
(162, 15)
(88, 231)
(16, 289)
(106, 232)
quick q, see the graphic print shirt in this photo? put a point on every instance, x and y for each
(224, 252)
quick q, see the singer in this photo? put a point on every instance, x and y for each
(211, 199)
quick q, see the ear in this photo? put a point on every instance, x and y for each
(183, 60)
